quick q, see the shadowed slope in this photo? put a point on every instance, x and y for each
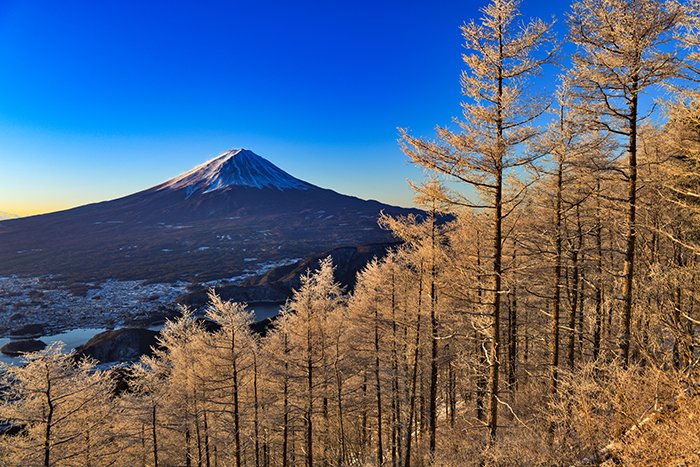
(236, 214)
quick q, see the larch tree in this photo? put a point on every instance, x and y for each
(275, 351)
(621, 53)
(229, 373)
(61, 407)
(561, 142)
(161, 414)
(424, 239)
(502, 55)
(318, 295)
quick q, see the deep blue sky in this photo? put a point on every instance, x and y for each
(100, 99)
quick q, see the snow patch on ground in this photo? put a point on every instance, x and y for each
(260, 268)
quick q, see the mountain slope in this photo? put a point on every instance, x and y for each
(237, 214)
(239, 167)
(7, 215)
(277, 284)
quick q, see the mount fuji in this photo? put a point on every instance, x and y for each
(233, 216)
(239, 167)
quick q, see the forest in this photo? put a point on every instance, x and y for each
(544, 311)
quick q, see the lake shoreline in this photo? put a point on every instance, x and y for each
(73, 338)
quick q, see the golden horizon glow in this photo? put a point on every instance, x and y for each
(35, 209)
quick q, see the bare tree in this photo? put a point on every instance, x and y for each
(60, 405)
(622, 53)
(496, 120)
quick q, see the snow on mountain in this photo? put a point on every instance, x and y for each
(221, 219)
(235, 168)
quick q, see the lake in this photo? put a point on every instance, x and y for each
(77, 337)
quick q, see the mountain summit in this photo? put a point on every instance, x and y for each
(237, 167)
(232, 216)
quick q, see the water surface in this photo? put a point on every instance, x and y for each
(77, 337)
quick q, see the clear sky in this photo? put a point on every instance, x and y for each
(99, 99)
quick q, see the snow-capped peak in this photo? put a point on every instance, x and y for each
(238, 167)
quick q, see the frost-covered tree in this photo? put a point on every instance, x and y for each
(161, 413)
(61, 409)
(622, 53)
(566, 204)
(502, 55)
(228, 373)
(308, 359)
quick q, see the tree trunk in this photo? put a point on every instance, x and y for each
(363, 437)
(481, 381)
(556, 304)
(285, 395)
(414, 376)
(627, 291)
(573, 301)
(339, 387)
(49, 419)
(678, 330)
(188, 453)
(513, 336)
(207, 461)
(256, 422)
(432, 403)
(494, 364)
(581, 284)
(378, 388)
(155, 437)
(310, 400)
(597, 331)
(197, 431)
(396, 401)
(236, 411)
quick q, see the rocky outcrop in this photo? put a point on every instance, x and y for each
(28, 331)
(17, 348)
(119, 345)
(155, 318)
(129, 344)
